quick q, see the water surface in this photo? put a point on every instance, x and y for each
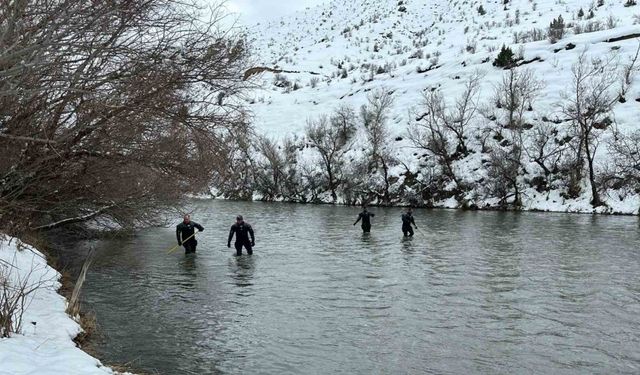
(472, 292)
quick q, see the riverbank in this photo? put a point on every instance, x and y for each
(45, 342)
(553, 201)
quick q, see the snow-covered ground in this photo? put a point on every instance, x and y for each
(352, 47)
(45, 344)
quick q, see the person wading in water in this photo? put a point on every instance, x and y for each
(366, 219)
(407, 220)
(242, 231)
(185, 230)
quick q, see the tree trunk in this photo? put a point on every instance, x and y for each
(385, 170)
(595, 197)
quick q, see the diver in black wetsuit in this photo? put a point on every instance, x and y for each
(407, 220)
(366, 219)
(186, 229)
(242, 231)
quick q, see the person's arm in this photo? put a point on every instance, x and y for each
(359, 217)
(178, 235)
(413, 222)
(253, 237)
(230, 237)
(200, 228)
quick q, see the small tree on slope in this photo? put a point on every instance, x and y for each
(505, 58)
(442, 131)
(588, 104)
(374, 117)
(556, 29)
(331, 137)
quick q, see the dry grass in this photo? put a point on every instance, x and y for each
(89, 324)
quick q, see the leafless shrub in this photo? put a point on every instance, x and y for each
(625, 168)
(629, 71)
(234, 176)
(593, 26)
(503, 172)
(544, 148)
(292, 186)
(16, 293)
(270, 171)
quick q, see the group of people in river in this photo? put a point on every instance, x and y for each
(185, 231)
(407, 221)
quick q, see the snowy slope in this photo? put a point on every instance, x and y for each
(392, 44)
(45, 345)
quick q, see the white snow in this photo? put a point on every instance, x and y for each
(353, 33)
(45, 344)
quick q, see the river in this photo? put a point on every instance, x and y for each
(472, 292)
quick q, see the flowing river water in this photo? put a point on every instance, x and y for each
(471, 292)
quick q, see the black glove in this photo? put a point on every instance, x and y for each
(228, 244)
(179, 243)
(354, 224)
(253, 243)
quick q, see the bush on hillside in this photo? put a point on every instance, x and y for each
(505, 58)
(556, 29)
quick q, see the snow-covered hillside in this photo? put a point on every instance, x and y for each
(343, 50)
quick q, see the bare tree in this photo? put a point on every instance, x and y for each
(234, 176)
(110, 108)
(270, 172)
(332, 137)
(293, 186)
(442, 131)
(514, 96)
(374, 116)
(588, 105)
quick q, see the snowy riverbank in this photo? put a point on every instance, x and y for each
(45, 342)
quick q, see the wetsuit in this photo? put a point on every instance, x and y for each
(365, 216)
(187, 230)
(407, 220)
(242, 232)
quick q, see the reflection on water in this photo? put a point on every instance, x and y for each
(242, 268)
(471, 292)
(189, 271)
